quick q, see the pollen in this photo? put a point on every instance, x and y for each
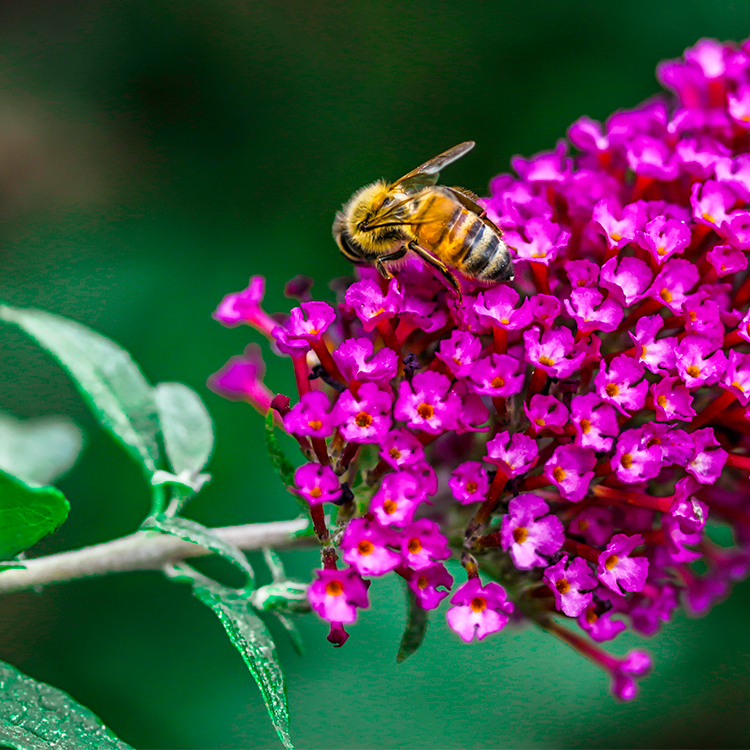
(315, 492)
(334, 588)
(654, 441)
(612, 390)
(519, 534)
(394, 453)
(665, 294)
(315, 424)
(471, 487)
(644, 351)
(616, 237)
(478, 604)
(626, 461)
(363, 419)
(390, 507)
(546, 361)
(562, 586)
(497, 382)
(539, 255)
(610, 562)
(585, 426)
(425, 411)
(591, 616)
(583, 525)
(693, 316)
(710, 218)
(693, 371)
(736, 385)
(422, 582)
(314, 331)
(377, 312)
(661, 400)
(661, 251)
(504, 321)
(365, 547)
(414, 546)
(539, 422)
(558, 473)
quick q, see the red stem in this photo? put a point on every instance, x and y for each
(712, 410)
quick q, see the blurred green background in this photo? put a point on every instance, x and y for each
(153, 155)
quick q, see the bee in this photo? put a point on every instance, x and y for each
(444, 226)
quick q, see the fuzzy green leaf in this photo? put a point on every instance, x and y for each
(104, 373)
(38, 450)
(35, 716)
(192, 531)
(279, 460)
(250, 636)
(186, 427)
(416, 627)
(27, 514)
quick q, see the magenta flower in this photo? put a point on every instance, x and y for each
(546, 413)
(553, 352)
(366, 417)
(496, 375)
(460, 352)
(708, 459)
(664, 237)
(425, 403)
(427, 582)
(619, 226)
(627, 279)
(529, 533)
(478, 611)
(592, 312)
(621, 385)
(674, 282)
(617, 570)
(469, 483)
(571, 585)
(636, 459)
(737, 376)
(672, 401)
(400, 448)
(244, 307)
(336, 594)
(496, 308)
(317, 484)
(365, 547)
(544, 310)
(397, 499)
(512, 455)
(657, 356)
(356, 361)
(540, 242)
(595, 422)
(369, 303)
(311, 416)
(593, 524)
(694, 365)
(570, 470)
(309, 321)
(422, 544)
(241, 379)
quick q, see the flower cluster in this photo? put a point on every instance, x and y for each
(577, 437)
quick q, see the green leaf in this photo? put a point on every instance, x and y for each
(38, 450)
(279, 460)
(104, 373)
(186, 427)
(27, 514)
(191, 531)
(251, 638)
(35, 716)
(416, 627)
(292, 631)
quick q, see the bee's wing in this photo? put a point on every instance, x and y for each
(468, 200)
(427, 174)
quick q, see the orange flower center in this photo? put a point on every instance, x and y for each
(520, 534)
(334, 588)
(612, 389)
(546, 361)
(558, 474)
(390, 507)
(478, 604)
(693, 371)
(666, 295)
(610, 562)
(414, 546)
(585, 426)
(626, 461)
(394, 453)
(471, 487)
(425, 411)
(562, 586)
(661, 400)
(422, 582)
(315, 424)
(363, 419)
(365, 547)
(497, 382)
(316, 492)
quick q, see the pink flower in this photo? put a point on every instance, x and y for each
(336, 594)
(528, 532)
(571, 585)
(478, 611)
(617, 569)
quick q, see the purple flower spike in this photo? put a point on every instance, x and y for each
(496, 375)
(674, 282)
(664, 237)
(618, 226)
(478, 611)
(336, 595)
(364, 547)
(397, 499)
(425, 403)
(460, 352)
(708, 458)
(546, 413)
(244, 307)
(554, 352)
(317, 484)
(400, 449)
(619, 385)
(540, 242)
(592, 312)
(422, 544)
(627, 279)
(512, 455)
(595, 422)
(426, 582)
(311, 416)
(241, 379)
(496, 308)
(355, 359)
(528, 532)
(672, 401)
(617, 569)
(366, 417)
(570, 470)
(571, 584)
(469, 482)
(369, 303)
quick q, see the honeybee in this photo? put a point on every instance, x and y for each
(444, 226)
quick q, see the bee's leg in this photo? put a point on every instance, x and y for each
(439, 265)
(396, 255)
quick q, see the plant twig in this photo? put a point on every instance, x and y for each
(145, 550)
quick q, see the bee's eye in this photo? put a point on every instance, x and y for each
(387, 201)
